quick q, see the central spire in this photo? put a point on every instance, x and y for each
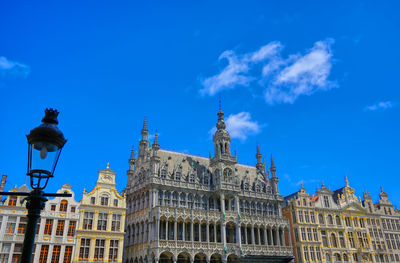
(221, 123)
(222, 139)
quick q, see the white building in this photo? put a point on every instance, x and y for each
(55, 239)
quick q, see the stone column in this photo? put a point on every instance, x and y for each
(183, 231)
(253, 240)
(223, 225)
(245, 235)
(289, 238)
(277, 236)
(265, 236)
(259, 235)
(167, 229)
(215, 232)
(157, 232)
(199, 231)
(282, 238)
(271, 238)
(208, 232)
(175, 230)
(238, 235)
(191, 232)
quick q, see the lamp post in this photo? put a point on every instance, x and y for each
(45, 143)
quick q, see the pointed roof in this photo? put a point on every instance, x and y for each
(132, 153)
(273, 168)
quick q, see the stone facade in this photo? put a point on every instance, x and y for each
(337, 226)
(187, 208)
(55, 239)
(100, 235)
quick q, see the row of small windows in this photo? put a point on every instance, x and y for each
(102, 219)
(103, 201)
(11, 226)
(309, 217)
(391, 224)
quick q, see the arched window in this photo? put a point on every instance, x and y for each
(63, 206)
(338, 258)
(258, 188)
(333, 240)
(246, 187)
(321, 219)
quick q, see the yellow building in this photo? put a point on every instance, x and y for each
(100, 235)
(334, 226)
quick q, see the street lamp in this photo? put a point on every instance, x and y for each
(45, 143)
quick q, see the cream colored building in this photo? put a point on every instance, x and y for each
(186, 208)
(100, 235)
(337, 226)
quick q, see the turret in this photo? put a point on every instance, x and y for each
(132, 160)
(274, 179)
(222, 139)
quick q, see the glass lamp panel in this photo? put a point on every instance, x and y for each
(44, 156)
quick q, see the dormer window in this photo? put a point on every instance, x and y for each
(178, 175)
(12, 201)
(326, 201)
(191, 178)
(164, 173)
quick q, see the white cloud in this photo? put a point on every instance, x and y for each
(283, 80)
(306, 75)
(13, 69)
(240, 126)
(234, 74)
(383, 105)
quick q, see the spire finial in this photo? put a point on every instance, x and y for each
(156, 138)
(108, 165)
(219, 102)
(258, 149)
(323, 184)
(345, 180)
(145, 124)
(272, 162)
(381, 189)
(133, 153)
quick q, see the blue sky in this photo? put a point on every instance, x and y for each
(315, 84)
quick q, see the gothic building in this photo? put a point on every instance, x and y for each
(185, 208)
